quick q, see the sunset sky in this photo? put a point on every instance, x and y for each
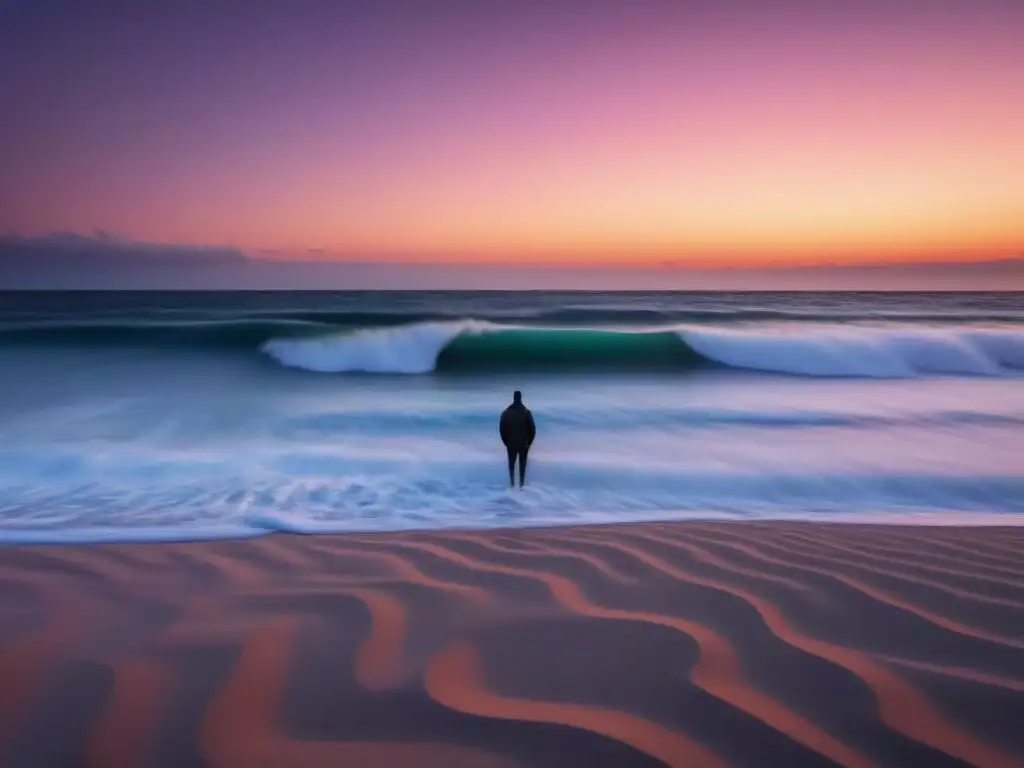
(707, 133)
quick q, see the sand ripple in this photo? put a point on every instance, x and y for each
(666, 644)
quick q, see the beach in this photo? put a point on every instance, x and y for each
(680, 644)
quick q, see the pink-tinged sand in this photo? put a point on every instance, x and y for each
(682, 644)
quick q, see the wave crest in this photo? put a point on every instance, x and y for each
(406, 349)
(818, 351)
(864, 352)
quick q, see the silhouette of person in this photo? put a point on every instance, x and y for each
(517, 433)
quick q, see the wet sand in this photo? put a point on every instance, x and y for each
(735, 644)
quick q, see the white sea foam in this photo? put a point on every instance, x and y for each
(859, 351)
(405, 349)
(325, 460)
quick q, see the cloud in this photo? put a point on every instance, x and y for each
(106, 261)
(105, 246)
(66, 260)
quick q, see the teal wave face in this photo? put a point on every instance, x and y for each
(555, 349)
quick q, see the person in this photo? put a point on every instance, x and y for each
(517, 433)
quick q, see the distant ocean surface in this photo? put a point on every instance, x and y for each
(157, 416)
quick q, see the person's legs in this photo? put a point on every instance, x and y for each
(522, 466)
(511, 465)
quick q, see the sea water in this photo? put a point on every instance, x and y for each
(157, 416)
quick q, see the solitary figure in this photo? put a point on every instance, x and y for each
(517, 433)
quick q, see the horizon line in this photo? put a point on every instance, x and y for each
(930, 258)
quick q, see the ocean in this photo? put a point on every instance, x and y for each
(174, 416)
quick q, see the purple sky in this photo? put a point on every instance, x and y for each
(584, 133)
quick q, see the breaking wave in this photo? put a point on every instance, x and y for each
(814, 350)
(344, 343)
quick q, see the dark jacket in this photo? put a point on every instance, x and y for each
(517, 427)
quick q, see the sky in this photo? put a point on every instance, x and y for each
(678, 133)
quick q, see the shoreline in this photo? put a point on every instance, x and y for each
(665, 643)
(942, 520)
